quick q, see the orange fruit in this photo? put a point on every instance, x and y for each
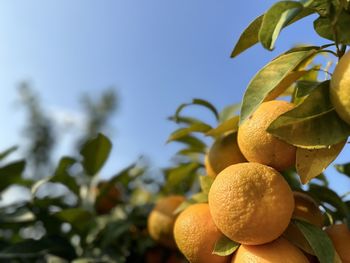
(196, 234)
(340, 236)
(161, 220)
(107, 197)
(340, 88)
(224, 152)
(257, 145)
(277, 251)
(251, 203)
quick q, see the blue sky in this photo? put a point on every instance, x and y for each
(156, 53)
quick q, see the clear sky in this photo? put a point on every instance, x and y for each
(156, 53)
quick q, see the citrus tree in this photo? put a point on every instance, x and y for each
(259, 192)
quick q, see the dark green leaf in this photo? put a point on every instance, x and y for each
(193, 142)
(322, 7)
(35, 249)
(268, 79)
(79, 218)
(182, 132)
(313, 123)
(12, 174)
(303, 89)
(318, 240)
(95, 153)
(275, 19)
(343, 168)
(326, 195)
(7, 152)
(248, 38)
(339, 33)
(225, 246)
(180, 179)
(62, 175)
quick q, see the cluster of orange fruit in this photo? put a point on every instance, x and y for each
(249, 202)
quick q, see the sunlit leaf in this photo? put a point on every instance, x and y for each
(225, 246)
(268, 79)
(318, 240)
(312, 162)
(275, 19)
(95, 153)
(313, 124)
(230, 125)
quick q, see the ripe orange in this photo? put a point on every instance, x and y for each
(277, 251)
(251, 203)
(340, 236)
(340, 88)
(224, 152)
(161, 220)
(196, 234)
(257, 145)
(107, 197)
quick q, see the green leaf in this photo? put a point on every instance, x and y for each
(248, 38)
(326, 195)
(12, 174)
(7, 152)
(230, 125)
(182, 132)
(343, 168)
(275, 19)
(318, 240)
(322, 7)
(268, 79)
(199, 102)
(303, 89)
(29, 250)
(206, 182)
(313, 124)
(95, 153)
(178, 174)
(225, 246)
(340, 32)
(312, 162)
(62, 175)
(79, 218)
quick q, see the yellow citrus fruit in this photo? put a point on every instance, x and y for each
(306, 208)
(196, 234)
(161, 220)
(277, 251)
(224, 152)
(108, 200)
(340, 235)
(340, 88)
(257, 145)
(251, 203)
